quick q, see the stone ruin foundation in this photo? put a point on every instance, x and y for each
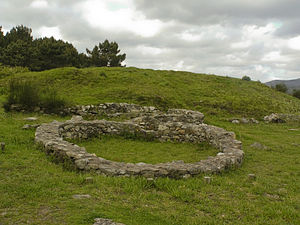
(177, 125)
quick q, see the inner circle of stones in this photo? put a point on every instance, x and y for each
(178, 125)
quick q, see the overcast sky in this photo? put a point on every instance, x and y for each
(258, 38)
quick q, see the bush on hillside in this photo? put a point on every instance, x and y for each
(281, 87)
(27, 95)
(296, 93)
(246, 78)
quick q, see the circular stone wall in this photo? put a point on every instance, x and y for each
(176, 125)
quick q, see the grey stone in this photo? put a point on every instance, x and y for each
(252, 120)
(15, 107)
(274, 118)
(244, 120)
(101, 221)
(258, 145)
(81, 196)
(30, 126)
(235, 121)
(186, 176)
(26, 127)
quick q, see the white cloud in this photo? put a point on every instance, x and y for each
(39, 4)
(294, 43)
(147, 50)
(241, 44)
(275, 56)
(179, 65)
(116, 17)
(49, 32)
(189, 35)
(233, 58)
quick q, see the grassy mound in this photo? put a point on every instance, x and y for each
(210, 94)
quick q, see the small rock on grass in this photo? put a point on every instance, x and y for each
(29, 126)
(101, 221)
(186, 176)
(252, 120)
(244, 120)
(30, 119)
(258, 145)
(81, 196)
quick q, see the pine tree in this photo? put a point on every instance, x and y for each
(106, 54)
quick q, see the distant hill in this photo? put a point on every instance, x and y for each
(291, 84)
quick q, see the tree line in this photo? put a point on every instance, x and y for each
(19, 48)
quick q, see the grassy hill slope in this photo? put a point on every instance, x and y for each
(165, 89)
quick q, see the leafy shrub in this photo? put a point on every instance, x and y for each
(281, 87)
(296, 93)
(246, 78)
(27, 95)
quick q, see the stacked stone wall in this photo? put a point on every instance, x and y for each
(175, 125)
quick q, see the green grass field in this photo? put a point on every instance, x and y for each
(35, 190)
(128, 150)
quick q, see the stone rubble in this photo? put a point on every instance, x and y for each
(30, 126)
(281, 118)
(176, 125)
(273, 118)
(81, 196)
(110, 110)
(258, 145)
(244, 121)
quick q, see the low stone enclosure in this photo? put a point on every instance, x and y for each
(177, 125)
